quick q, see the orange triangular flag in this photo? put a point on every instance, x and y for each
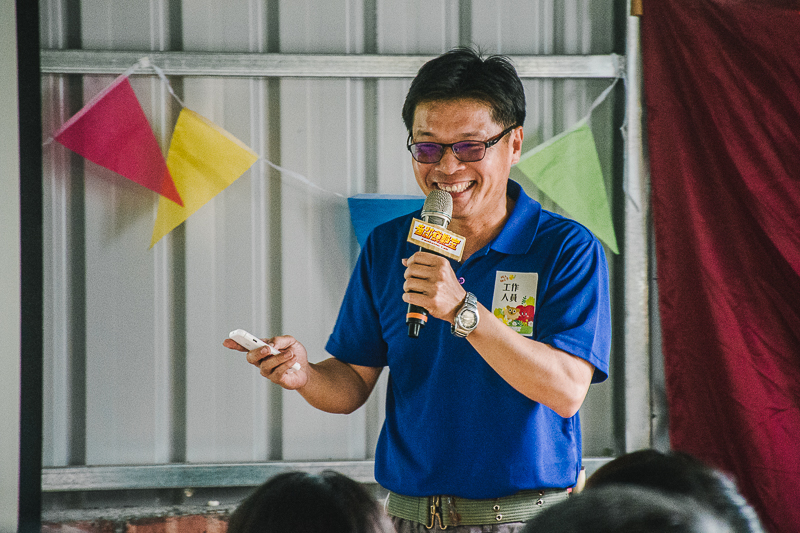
(112, 131)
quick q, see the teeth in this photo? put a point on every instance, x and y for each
(456, 188)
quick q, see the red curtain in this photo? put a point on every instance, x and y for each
(722, 86)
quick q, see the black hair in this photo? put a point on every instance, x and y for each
(627, 509)
(308, 503)
(464, 73)
(680, 473)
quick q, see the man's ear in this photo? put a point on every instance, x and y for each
(515, 140)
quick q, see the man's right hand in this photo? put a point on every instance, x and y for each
(330, 385)
(278, 368)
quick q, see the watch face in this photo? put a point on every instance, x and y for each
(468, 319)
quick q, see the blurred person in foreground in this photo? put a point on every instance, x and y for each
(481, 424)
(627, 509)
(682, 474)
(299, 502)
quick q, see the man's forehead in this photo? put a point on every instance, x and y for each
(464, 116)
(473, 105)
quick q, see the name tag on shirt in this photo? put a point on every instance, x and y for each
(514, 300)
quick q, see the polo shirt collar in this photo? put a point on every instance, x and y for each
(520, 229)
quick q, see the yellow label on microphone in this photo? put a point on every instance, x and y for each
(436, 239)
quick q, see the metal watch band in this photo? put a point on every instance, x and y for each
(461, 326)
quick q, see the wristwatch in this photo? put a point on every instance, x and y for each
(466, 318)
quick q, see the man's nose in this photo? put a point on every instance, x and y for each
(449, 163)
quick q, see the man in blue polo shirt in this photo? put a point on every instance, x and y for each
(481, 411)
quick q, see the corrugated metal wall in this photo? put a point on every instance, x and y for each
(134, 368)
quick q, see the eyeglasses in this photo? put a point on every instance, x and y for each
(465, 151)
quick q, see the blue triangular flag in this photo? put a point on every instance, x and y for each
(367, 211)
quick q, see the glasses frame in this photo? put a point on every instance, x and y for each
(486, 145)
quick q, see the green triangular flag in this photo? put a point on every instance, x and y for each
(567, 169)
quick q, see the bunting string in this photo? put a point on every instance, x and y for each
(205, 157)
(163, 79)
(145, 62)
(300, 178)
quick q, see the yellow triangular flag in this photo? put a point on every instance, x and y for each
(203, 160)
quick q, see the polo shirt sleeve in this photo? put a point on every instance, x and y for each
(357, 336)
(574, 313)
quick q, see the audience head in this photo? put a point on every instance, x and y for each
(627, 509)
(309, 503)
(463, 74)
(681, 474)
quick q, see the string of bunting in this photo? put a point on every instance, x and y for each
(204, 159)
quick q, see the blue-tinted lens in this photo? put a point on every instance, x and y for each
(427, 152)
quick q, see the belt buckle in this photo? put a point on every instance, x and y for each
(436, 512)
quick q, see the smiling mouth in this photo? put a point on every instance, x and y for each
(455, 187)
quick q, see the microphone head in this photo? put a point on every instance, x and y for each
(438, 208)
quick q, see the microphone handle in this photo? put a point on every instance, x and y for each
(416, 317)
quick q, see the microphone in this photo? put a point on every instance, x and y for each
(437, 210)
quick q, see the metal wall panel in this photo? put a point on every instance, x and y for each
(321, 130)
(59, 408)
(125, 400)
(227, 267)
(318, 141)
(136, 371)
(417, 26)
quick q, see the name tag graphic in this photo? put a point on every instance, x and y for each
(514, 300)
(436, 239)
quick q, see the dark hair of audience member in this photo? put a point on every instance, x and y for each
(627, 509)
(680, 473)
(300, 502)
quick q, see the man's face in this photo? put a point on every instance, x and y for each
(478, 188)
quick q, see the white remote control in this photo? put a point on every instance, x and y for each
(251, 342)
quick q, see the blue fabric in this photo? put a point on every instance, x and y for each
(453, 425)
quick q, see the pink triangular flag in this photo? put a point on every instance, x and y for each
(113, 132)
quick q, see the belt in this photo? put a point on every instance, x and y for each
(455, 511)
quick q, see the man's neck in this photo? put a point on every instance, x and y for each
(480, 232)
